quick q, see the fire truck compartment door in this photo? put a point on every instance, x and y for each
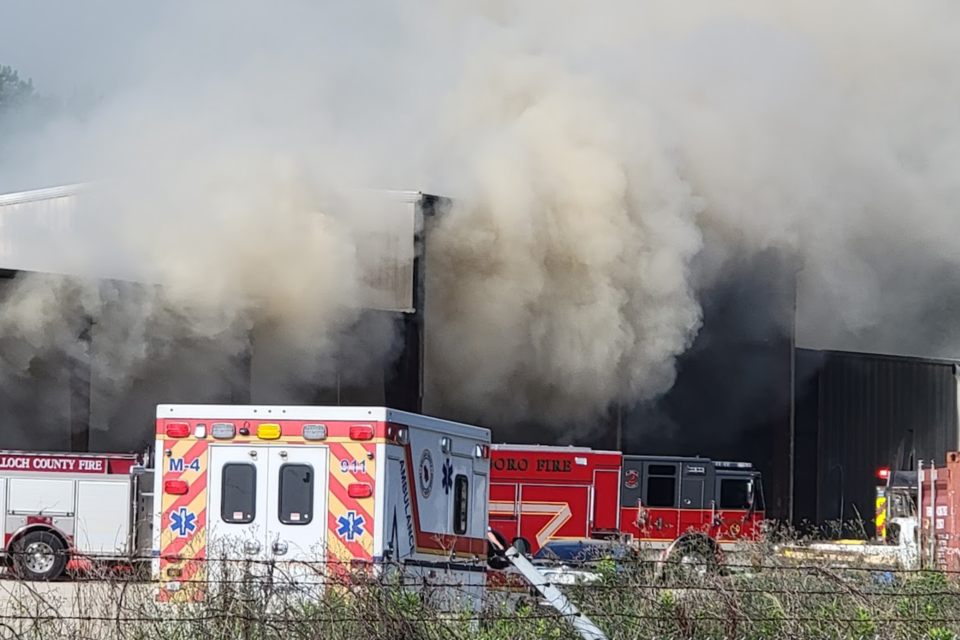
(297, 503)
(32, 496)
(606, 500)
(238, 510)
(103, 516)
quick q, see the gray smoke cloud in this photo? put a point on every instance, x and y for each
(610, 161)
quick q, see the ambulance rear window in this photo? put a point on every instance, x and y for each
(238, 504)
(296, 494)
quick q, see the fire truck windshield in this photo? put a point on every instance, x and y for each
(741, 491)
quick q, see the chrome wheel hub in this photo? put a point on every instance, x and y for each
(39, 557)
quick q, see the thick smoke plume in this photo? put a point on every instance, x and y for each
(610, 160)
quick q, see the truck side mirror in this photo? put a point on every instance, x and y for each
(751, 502)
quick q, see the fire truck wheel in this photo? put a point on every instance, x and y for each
(692, 558)
(39, 555)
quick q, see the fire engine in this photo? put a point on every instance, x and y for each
(544, 493)
(346, 486)
(58, 508)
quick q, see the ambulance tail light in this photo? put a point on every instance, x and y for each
(883, 474)
(361, 432)
(482, 451)
(359, 490)
(175, 487)
(178, 429)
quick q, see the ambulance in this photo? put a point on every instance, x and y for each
(312, 494)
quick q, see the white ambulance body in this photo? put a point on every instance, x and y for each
(58, 507)
(315, 492)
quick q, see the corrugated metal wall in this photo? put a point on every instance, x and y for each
(853, 411)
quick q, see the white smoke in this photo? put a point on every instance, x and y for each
(609, 160)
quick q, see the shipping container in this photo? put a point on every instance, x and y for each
(854, 414)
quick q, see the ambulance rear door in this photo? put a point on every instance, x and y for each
(238, 512)
(268, 505)
(297, 496)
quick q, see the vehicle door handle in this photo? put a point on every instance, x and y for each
(279, 548)
(251, 547)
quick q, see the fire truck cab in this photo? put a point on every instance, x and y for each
(308, 494)
(664, 498)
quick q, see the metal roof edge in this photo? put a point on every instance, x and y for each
(879, 355)
(72, 189)
(48, 193)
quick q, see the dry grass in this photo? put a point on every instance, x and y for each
(759, 596)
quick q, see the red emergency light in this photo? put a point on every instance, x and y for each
(883, 474)
(361, 432)
(175, 487)
(178, 429)
(359, 490)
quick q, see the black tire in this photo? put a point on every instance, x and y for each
(40, 555)
(696, 558)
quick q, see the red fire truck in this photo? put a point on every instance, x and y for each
(544, 493)
(60, 507)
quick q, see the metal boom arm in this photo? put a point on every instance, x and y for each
(584, 626)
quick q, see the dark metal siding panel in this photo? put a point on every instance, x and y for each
(806, 437)
(867, 405)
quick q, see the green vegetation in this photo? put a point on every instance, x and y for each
(778, 600)
(14, 91)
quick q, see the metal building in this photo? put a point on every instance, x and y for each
(856, 413)
(51, 402)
